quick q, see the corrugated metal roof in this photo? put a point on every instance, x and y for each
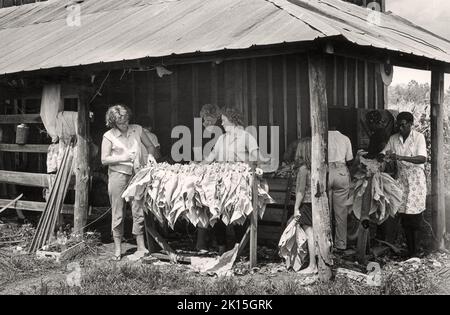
(36, 36)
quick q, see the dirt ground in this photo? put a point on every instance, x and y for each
(91, 272)
(24, 274)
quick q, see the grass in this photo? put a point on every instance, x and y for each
(102, 277)
(112, 279)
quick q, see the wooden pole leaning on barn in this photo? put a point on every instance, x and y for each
(319, 130)
(437, 157)
(82, 165)
(254, 220)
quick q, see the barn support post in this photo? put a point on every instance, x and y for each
(319, 131)
(254, 221)
(82, 165)
(437, 157)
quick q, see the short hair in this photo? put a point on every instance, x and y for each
(115, 113)
(210, 110)
(234, 115)
(406, 116)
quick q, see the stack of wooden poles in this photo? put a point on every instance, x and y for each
(47, 223)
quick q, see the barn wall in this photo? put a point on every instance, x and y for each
(268, 90)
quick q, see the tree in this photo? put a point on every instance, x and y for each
(413, 92)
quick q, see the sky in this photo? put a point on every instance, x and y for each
(433, 15)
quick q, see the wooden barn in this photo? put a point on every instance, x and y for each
(286, 63)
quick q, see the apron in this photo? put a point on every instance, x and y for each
(414, 185)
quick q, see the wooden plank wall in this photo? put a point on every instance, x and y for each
(269, 91)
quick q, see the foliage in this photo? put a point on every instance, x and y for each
(415, 98)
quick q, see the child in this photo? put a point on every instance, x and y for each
(302, 208)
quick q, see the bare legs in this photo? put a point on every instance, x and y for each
(140, 243)
(312, 268)
(117, 246)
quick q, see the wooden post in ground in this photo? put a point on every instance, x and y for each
(319, 131)
(437, 157)
(254, 222)
(82, 165)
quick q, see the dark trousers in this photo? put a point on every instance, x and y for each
(412, 224)
(220, 232)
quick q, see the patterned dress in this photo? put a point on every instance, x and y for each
(411, 176)
(414, 185)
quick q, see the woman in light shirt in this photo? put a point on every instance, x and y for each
(121, 153)
(237, 144)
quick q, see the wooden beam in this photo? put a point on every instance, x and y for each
(81, 162)
(376, 55)
(335, 79)
(366, 85)
(245, 90)
(214, 83)
(345, 82)
(24, 148)
(356, 85)
(132, 90)
(376, 79)
(174, 97)
(270, 92)
(151, 97)
(33, 206)
(228, 82)
(38, 206)
(254, 222)
(21, 119)
(254, 94)
(285, 101)
(195, 97)
(319, 128)
(383, 5)
(243, 242)
(298, 94)
(238, 90)
(255, 52)
(27, 179)
(438, 188)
